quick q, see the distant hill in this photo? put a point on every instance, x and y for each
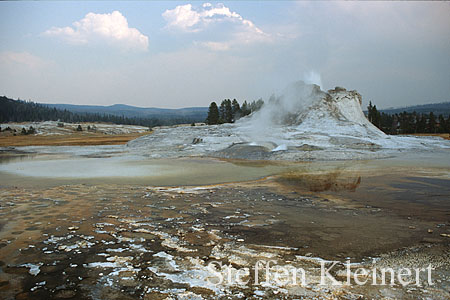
(23, 111)
(442, 108)
(190, 113)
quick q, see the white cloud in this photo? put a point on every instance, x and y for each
(22, 58)
(216, 46)
(110, 28)
(182, 17)
(187, 19)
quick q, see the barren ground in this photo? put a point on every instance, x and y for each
(73, 139)
(442, 135)
(53, 133)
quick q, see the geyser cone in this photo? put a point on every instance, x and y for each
(303, 123)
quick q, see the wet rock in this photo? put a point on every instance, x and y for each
(197, 141)
(38, 285)
(34, 269)
(244, 151)
(354, 143)
(306, 147)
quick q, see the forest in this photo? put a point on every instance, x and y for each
(408, 122)
(27, 111)
(231, 111)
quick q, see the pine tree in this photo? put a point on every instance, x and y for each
(228, 115)
(394, 125)
(256, 105)
(374, 115)
(236, 110)
(245, 109)
(421, 124)
(442, 126)
(447, 124)
(369, 112)
(222, 112)
(213, 114)
(432, 123)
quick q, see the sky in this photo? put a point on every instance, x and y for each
(184, 54)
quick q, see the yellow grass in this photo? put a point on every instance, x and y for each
(74, 139)
(442, 135)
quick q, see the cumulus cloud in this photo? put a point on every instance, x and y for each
(182, 17)
(110, 28)
(185, 18)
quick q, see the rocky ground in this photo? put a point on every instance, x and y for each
(116, 241)
(53, 133)
(61, 128)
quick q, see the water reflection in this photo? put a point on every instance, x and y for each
(335, 181)
(9, 158)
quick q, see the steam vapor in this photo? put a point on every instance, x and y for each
(312, 77)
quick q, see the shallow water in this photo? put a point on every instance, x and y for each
(112, 164)
(125, 170)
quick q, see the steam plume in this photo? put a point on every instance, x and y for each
(312, 77)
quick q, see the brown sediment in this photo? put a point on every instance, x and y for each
(73, 139)
(442, 135)
(405, 195)
(331, 181)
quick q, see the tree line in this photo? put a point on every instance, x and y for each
(27, 111)
(228, 112)
(408, 122)
(231, 111)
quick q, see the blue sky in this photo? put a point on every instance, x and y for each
(178, 54)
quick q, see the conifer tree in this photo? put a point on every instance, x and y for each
(228, 114)
(432, 123)
(245, 109)
(236, 110)
(213, 114)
